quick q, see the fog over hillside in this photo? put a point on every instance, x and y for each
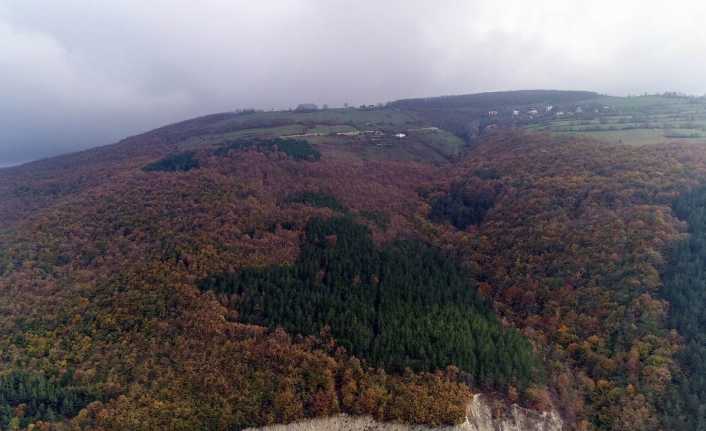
(78, 74)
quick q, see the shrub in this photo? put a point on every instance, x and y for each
(178, 162)
(315, 199)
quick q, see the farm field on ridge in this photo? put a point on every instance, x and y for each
(638, 120)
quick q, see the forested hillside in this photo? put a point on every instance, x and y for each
(406, 306)
(573, 253)
(200, 277)
(684, 288)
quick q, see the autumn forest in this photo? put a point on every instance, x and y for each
(222, 273)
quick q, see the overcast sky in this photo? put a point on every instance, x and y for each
(81, 73)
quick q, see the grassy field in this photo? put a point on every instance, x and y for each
(321, 128)
(644, 120)
(292, 123)
(639, 136)
(445, 143)
(432, 146)
(263, 132)
(328, 129)
(359, 118)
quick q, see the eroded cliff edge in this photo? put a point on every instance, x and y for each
(479, 418)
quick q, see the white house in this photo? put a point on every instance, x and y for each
(515, 112)
(549, 108)
(400, 135)
(533, 112)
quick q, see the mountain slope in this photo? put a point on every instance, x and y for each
(107, 322)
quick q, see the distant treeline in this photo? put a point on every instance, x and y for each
(181, 162)
(296, 149)
(494, 99)
(177, 162)
(407, 305)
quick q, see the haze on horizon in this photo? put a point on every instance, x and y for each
(80, 73)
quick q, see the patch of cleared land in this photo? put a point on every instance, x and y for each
(644, 120)
(342, 133)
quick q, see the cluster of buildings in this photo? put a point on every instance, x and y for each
(373, 133)
(547, 110)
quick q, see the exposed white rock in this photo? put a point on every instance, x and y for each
(479, 418)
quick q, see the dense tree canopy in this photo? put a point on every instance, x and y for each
(685, 288)
(404, 306)
(463, 205)
(26, 398)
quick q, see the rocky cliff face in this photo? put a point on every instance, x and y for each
(479, 418)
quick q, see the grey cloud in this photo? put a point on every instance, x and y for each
(80, 73)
